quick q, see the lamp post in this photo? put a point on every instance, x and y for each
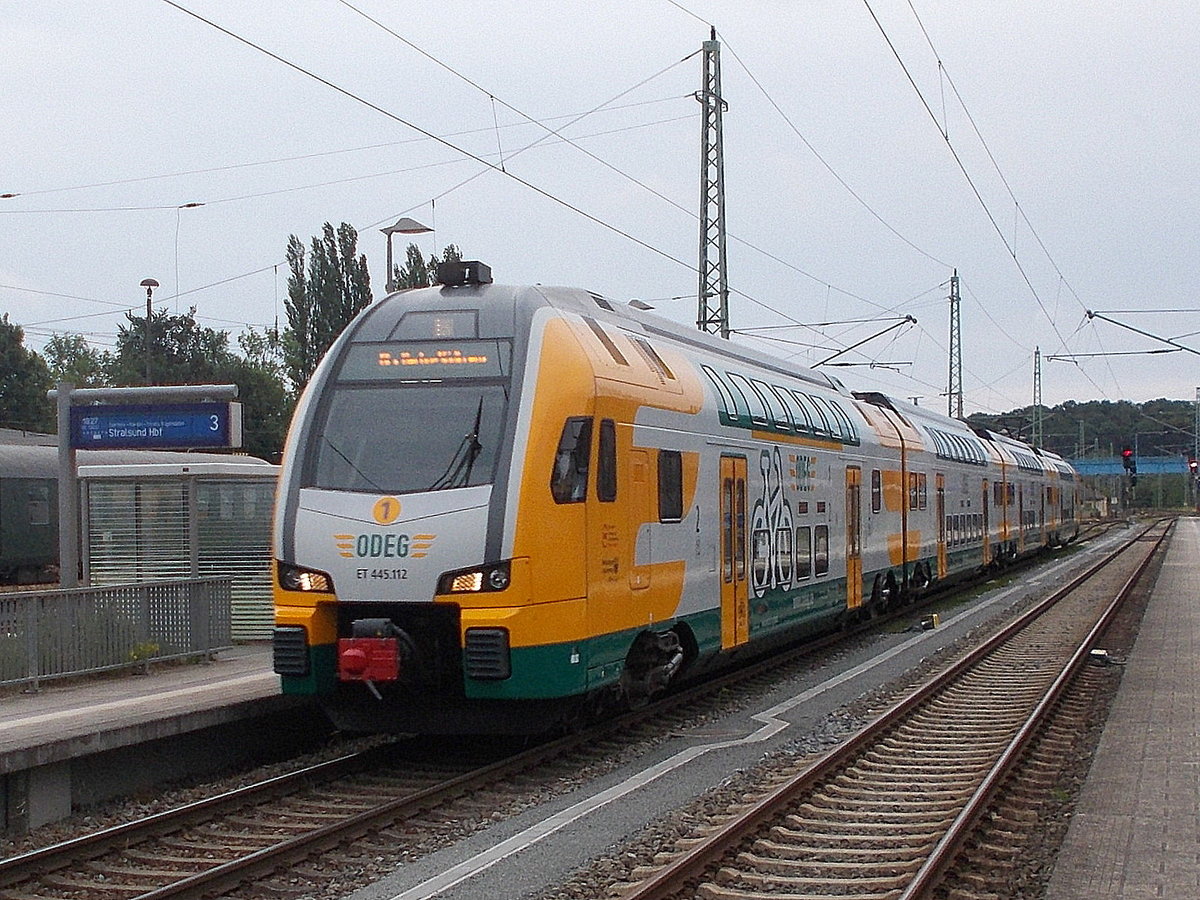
(403, 225)
(149, 284)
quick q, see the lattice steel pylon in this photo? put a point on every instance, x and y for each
(1038, 424)
(713, 309)
(954, 390)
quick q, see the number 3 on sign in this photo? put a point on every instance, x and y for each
(214, 423)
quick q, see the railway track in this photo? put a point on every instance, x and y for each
(886, 814)
(246, 836)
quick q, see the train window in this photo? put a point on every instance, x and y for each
(832, 423)
(755, 403)
(783, 556)
(670, 486)
(727, 529)
(803, 551)
(602, 335)
(778, 416)
(741, 404)
(404, 437)
(792, 423)
(728, 408)
(606, 473)
(876, 490)
(820, 424)
(821, 549)
(568, 479)
(922, 491)
(849, 432)
(800, 415)
(39, 504)
(760, 556)
(425, 325)
(653, 359)
(739, 547)
(912, 490)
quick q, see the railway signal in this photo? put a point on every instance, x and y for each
(1129, 461)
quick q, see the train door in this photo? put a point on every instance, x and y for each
(1041, 515)
(987, 529)
(854, 565)
(942, 562)
(735, 611)
(1022, 525)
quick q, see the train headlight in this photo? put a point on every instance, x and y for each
(297, 578)
(495, 577)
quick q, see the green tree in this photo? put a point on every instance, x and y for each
(419, 272)
(323, 298)
(24, 380)
(415, 271)
(72, 359)
(181, 351)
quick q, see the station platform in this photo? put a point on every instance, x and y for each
(73, 744)
(1136, 830)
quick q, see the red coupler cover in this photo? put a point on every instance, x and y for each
(368, 659)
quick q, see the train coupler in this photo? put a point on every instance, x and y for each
(374, 652)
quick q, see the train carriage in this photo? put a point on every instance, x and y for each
(501, 505)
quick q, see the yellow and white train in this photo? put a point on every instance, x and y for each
(502, 504)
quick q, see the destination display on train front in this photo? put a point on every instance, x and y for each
(158, 426)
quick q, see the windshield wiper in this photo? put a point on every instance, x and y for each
(458, 473)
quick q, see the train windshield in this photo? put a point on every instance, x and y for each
(392, 429)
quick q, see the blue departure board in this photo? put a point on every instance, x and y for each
(158, 426)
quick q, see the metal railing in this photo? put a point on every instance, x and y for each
(78, 631)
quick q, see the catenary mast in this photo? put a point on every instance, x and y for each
(955, 390)
(713, 309)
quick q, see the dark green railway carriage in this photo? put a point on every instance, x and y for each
(29, 504)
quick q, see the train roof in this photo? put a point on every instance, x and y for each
(31, 461)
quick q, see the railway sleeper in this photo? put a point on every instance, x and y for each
(823, 870)
(804, 838)
(879, 816)
(781, 850)
(914, 805)
(875, 827)
(854, 776)
(826, 885)
(199, 863)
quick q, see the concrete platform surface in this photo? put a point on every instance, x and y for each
(1136, 832)
(92, 715)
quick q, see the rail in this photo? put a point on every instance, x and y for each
(50, 634)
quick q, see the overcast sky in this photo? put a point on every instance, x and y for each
(844, 200)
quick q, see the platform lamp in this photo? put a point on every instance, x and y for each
(404, 225)
(149, 284)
